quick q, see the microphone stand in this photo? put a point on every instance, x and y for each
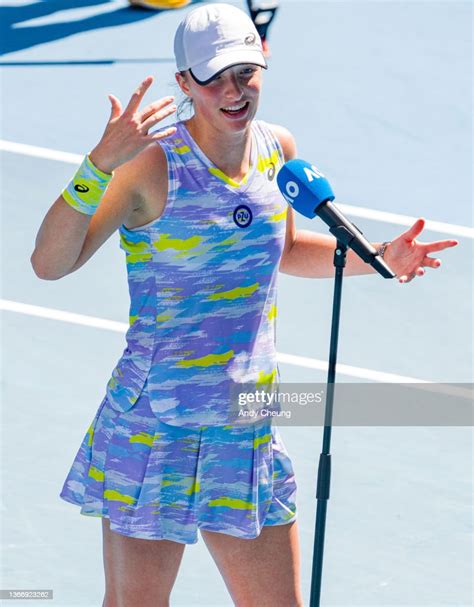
(324, 470)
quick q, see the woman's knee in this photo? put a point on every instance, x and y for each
(260, 572)
(138, 571)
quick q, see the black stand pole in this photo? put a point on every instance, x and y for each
(324, 470)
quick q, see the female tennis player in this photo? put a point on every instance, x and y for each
(204, 231)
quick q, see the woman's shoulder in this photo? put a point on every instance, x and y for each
(148, 171)
(284, 137)
(150, 161)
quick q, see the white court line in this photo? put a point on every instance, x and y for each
(359, 372)
(291, 359)
(32, 150)
(407, 220)
(354, 211)
(70, 317)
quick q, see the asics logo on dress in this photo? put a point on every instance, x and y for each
(271, 172)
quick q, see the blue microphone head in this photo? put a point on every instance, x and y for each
(304, 186)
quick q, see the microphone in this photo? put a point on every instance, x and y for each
(309, 193)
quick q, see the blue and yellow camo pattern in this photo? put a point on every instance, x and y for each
(157, 481)
(203, 287)
(160, 458)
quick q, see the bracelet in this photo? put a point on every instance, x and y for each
(86, 189)
(383, 246)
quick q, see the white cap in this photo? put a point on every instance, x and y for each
(212, 38)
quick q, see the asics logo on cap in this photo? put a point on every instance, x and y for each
(250, 39)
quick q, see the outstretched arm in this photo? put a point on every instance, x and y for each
(310, 254)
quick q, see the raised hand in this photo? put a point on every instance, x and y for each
(126, 133)
(408, 258)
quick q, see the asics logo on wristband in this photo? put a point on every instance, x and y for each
(85, 190)
(81, 188)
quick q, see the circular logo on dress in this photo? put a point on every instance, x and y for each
(242, 216)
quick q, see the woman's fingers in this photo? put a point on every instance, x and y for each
(126, 133)
(137, 96)
(157, 117)
(424, 249)
(404, 278)
(166, 133)
(414, 231)
(116, 107)
(154, 107)
(429, 262)
(439, 245)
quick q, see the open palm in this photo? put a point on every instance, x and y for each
(407, 257)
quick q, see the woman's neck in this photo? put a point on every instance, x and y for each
(229, 152)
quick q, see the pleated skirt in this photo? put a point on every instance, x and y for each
(160, 481)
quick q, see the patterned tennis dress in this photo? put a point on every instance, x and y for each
(166, 453)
